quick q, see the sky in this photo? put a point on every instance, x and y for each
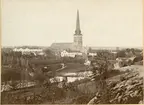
(43, 22)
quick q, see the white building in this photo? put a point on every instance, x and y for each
(70, 54)
(92, 54)
(27, 50)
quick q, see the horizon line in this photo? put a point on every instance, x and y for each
(83, 46)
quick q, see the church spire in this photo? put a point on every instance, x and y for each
(77, 31)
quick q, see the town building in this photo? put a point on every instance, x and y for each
(29, 51)
(70, 53)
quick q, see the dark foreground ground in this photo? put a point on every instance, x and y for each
(126, 86)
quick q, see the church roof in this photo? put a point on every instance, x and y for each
(61, 45)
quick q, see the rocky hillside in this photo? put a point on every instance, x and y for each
(124, 89)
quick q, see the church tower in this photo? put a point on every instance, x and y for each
(78, 36)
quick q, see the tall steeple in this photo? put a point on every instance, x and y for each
(78, 31)
(78, 43)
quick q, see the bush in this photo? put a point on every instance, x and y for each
(121, 54)
(10, 74)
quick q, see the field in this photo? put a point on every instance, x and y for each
(73, 68)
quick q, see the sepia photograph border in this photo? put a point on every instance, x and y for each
(66, 104)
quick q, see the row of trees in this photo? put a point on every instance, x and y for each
(128, 52)
(121, 53)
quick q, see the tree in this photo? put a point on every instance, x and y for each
(90, 49)
(49, 53)
(100, 69)
(128, 50)
(121, 53)
(13, 84)
(133, 51)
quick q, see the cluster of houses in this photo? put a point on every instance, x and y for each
(72, 54)
(63, 53)
(28, 51)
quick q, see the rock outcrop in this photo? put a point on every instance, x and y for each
(128, 89)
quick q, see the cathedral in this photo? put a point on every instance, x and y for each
(77, 44)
